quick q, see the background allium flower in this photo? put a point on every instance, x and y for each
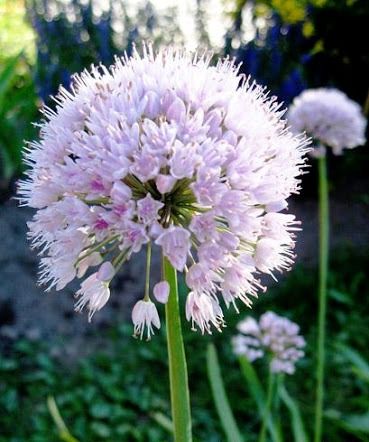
(330, 118)
(274, 336)
(164, 148)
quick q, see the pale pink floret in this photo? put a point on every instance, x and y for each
(148, 208)
(203, 311)
(93, 293)
(204, 226)
(145, 315)
(183, 161)
(200, 278)
(175, 243)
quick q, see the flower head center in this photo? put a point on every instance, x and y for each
(179, 204)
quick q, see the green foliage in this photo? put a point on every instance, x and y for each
(18, 108)
(354, 423)
(258, 394)
(220, 396)
(359, 365)
(122, 393)
(15, 33)
(104, 398)
(119, 394)
(297, 423)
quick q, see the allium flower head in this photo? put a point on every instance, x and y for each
(164, 149)
(330, 118)
(273, 336)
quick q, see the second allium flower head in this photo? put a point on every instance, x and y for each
(330, 118)
(164, 148)
(273, 336)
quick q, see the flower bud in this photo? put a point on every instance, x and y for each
(161, 292)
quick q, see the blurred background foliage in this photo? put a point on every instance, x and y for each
(121, 394)
(18, 107)
(16, 34)
(92, 32)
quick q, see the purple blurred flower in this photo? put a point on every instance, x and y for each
(273, 336)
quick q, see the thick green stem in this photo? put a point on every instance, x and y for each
(268, 406)
(322, 294)
(179, 392)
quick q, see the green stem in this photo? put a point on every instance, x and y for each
(148, 265)
(323, 274)
(277, 403)
(179, 392)
(268, 406)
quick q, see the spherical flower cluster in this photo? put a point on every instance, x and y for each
(164, 149)
(330, 118)
(274, 336)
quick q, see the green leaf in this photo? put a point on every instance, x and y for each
(100, 410)
(254, 383)
(341, 297)
(358, 422)
(353, 423)
(7, 75)
(359, 365)
(100, 429)
(297, 422)
(220, 397)
(258, 394)
(163, 421)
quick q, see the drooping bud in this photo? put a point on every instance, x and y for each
(161, 292)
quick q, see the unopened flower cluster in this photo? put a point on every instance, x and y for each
(330, 118)
(164, 150)
(273, 336)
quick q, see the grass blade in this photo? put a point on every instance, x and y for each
(359, 365)
(163, 421)
(64, 433)
(356, 424)
(220, 397)
(298, 428)
(258, 394)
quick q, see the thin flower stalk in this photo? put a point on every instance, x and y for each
(333, 121)
(322, 295)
